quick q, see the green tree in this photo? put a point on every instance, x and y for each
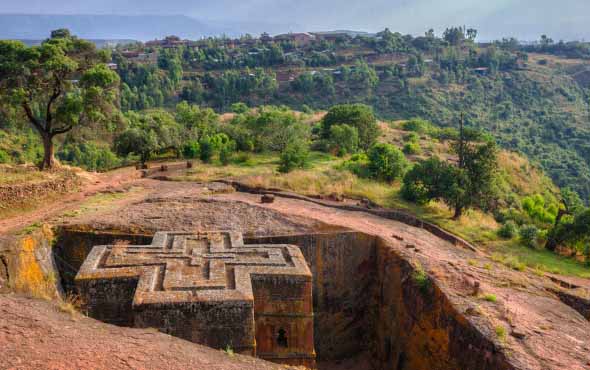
(454, 35)
(136, 141)
(469, 184)
(477, 176)
(386, 162)
(344, 139)
(295, 155)
(359, 116)
(57, 85)
(431, 179)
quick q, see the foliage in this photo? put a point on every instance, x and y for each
(572, 231)
(344, 139)
(198, 121)
(421, 279)
(356, 115)
(136, 141)
(386, 162)
(537, 209)
(431, 179)
(508, 230)
(89, 156)
(417, 125)
(239, 108)
(4, 157)
(207, 149)
(269, 129)
(295, 155)
(490, 298)
(59, 84)
(358, 164)
(412, 148)
(150, 133)
(529, 235)
(191, 149)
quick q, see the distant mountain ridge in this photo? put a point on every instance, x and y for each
(137, 27)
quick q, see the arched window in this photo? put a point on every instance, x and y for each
(282, 338)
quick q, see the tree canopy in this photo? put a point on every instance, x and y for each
(359, 116)
(57, 85)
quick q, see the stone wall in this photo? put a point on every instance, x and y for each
(73, 244)
(19, 193)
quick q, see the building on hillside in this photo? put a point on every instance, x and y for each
(332, 36)
(170, 42)
(140, 56)
(300, 39)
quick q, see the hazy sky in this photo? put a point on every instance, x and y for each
(526, 19)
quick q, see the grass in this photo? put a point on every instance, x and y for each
(490, 298)
(324, 177)
(421, 279)
(70, 304)
(229, 351)
(21, 175)
(501, 333)
(541, 261)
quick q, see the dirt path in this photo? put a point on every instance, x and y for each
(93, 184)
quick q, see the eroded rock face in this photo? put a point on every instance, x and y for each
(208, 288)
(418, 327)
(4, 275)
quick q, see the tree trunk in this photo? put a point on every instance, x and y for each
(458, 212)
(48, 159)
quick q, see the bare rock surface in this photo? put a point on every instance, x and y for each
(34, 334)
(192, 207)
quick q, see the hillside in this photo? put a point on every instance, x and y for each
(534, 100)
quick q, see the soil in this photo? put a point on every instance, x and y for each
(92, 184)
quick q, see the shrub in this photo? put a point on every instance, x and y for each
(538, 209)
(225, 154)
(358, 164)
(244, 159)
(529, 235)
(508, 230)
(417, 125)
(295, 155)
(191, 149)
(207, 149)
(412, 137)
(239, 108)
(421, 279)
(412, 148)
(89, 156)
(386, 162)
(4, 157)
(359, 116)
